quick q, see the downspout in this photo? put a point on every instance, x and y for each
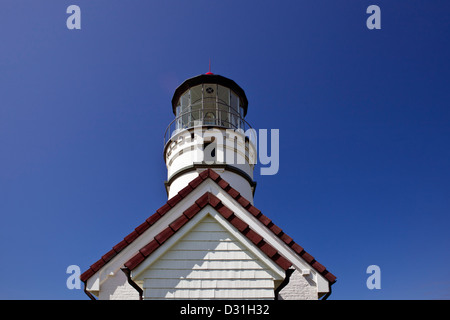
(132, 283)
(90, 295)
(283, 284)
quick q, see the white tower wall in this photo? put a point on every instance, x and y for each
(186, 156)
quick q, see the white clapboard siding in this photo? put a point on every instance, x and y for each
(206, 255)
(212, 274)
(208, 294)
(208, 263)
(205, 283)
(187, 245)
(209, 236)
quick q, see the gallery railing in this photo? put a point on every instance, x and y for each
(209, 117)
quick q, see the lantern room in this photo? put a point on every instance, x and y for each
(208, 100)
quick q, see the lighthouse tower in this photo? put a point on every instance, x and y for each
(208, 240)
(210, 131)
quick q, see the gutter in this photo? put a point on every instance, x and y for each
(132, 283)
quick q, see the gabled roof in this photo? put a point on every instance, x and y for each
(208, 199)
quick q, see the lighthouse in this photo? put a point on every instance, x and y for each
(208, 240)
(210, 131)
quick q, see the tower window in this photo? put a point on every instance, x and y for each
(209, 152)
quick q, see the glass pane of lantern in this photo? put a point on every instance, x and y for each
(209, 101)
(234, 120)
(185, 120)
(224, 116)
(196, 94)
(196, 114)
(223, 95)
(234, 101)
(177, 112)
(196, 105)
(209, 96)
(209, 105)
(185, 102)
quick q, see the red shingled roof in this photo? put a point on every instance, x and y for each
(212, 200)
(205, 199)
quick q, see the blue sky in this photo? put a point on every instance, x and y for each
(363, 116)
